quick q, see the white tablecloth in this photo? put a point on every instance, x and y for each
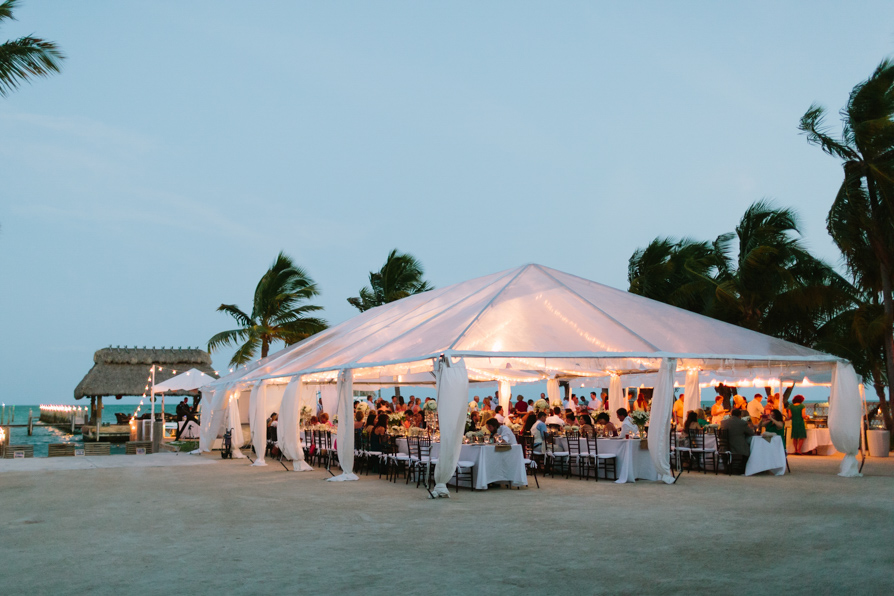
(766, 456)
(631, 461)
(817, 438)
(492, 465)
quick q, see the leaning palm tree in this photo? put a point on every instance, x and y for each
(25, 57)
(676, 272)
(278, 313)
(861, 221)
(399, 277)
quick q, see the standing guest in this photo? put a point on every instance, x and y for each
(488, 404)
(475, 404)
(604, 397)
(568, 404)
(740, 403)
(530, 404)
(756, 408)
(575, 403)
(595, 402)
(498, 414)
(799, 429)
(520, 406)
(641, 403)
(717, 410)
(394, 403)
(369, 402)
(627, 425)
(678, 410)
(556, 417)
(738, 432)
(586, 425)
(501, 430)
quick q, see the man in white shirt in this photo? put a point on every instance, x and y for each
(595, 402)
(473, 405)
(627, 425)
(568, 404)
(500, 430)
(556, 417)
(498, 414)
(756, 408)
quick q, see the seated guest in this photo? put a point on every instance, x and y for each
(691, 422)
(570, 418)
(773, 423)
(603, 421)
(370, 422)
(520, 406)
(738, 432)
(702, 418)
(498, 414)
(586, 425)
(358, 420)
(324, 419)
(627, 425)
(314, 420)
(529, 422)
(556, 417)
(501, 430)
(539, 432)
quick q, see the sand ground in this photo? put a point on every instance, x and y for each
(199, 525)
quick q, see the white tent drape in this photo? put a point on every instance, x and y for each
(234, 421)
(345, 437)
(659, 419)
(329, 397)
(552, 392)
(505, 396)
(258, 421)
(288, 429)
(212, 417)
(615, 399)
(693, 394)
(452, 392)
(844, 417)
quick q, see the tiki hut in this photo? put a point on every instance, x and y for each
(126, 371)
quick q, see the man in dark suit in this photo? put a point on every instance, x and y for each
(738, 432)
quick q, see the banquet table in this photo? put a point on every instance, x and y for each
(766, 456)
(490, 465)
(817, 438)
(631, 461)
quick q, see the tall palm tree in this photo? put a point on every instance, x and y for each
(399, 277)
(25, 57)
(278, 313)
(861, 221)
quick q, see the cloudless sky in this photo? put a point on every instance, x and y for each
(186, 143)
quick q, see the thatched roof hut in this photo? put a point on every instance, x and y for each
(124, 371)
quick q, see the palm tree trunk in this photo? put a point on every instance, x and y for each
(265, 347)
(887, 301)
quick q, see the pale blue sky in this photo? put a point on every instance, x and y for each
(186, 143)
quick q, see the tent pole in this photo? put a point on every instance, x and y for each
(152, 401)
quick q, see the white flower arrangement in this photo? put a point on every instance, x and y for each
(430, 406)
(362, 406)
(541, 405)
(640, 417)
(395, 419)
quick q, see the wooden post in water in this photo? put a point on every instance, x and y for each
(30, 423)
(98, 415)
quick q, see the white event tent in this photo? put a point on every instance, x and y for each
(527, 324)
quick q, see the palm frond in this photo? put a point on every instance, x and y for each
(812, 127)
(225, 338)
(27, 57)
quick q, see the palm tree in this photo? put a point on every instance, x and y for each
(278, 313)
(861, 220)
(399, 277)
(25, 57)
(772, 284)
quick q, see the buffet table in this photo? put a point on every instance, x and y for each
(631, 461)
(817, 438)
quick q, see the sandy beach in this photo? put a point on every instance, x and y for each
(200, 525)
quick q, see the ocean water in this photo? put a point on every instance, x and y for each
(44, 435)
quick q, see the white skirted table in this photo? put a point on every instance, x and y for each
(817, 438)
(766, 456)
(631, 461)
(492, 465)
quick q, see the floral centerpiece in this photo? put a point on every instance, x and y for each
(430, 406)
(541, 405)
(363, 407)
(640, 419)
(396, 419)
(516, 428)
(306, 413)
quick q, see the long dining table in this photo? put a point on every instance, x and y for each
(766, 456)
(631, 461)
(490, 466)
